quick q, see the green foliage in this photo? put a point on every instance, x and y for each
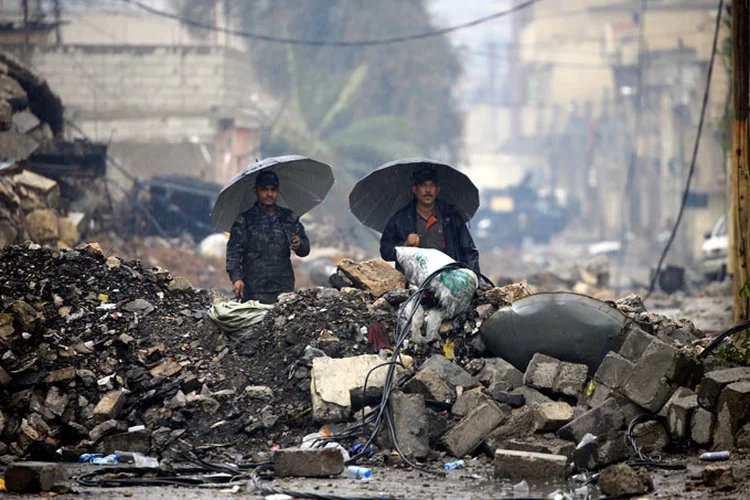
(736, 352)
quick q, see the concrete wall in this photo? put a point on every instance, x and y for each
(126, 81)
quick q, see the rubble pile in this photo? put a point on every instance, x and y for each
(31, 209)
(100, 354)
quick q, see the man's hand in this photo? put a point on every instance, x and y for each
(294, 242)
(239, 288)
(412, 240)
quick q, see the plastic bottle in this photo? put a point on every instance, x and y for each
(715, 455)
(108, 460)
(356, 472)
(87, 457)
(458, 464)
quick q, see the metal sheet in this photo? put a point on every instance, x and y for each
(566, 326)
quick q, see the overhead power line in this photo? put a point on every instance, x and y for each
(693, 160)
(332, 43)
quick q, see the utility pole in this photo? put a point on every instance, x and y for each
(739, 218)
(26, 37)
(58, 21)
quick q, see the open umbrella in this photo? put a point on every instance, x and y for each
(383, 192)
(303, 183)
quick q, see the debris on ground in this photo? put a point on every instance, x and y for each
(102, 355)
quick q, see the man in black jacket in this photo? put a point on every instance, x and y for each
(260, 245)
(429, 222)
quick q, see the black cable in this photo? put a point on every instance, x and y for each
(739, 327)
(333, 43)
(693, 160)
(643, 459)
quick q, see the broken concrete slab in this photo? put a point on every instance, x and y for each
(473, 429)
(43, 225)
(515, 465)
(733, 411)
(713, 383)
(376, 276)
(33, 477)
(649, 384)
(519, 424)
(497, 370)
(410, 424)
(720, 477)
(602, 421)
(549, 417)
(332, 381)
(451, 372)
(320, 462)
(531, 395)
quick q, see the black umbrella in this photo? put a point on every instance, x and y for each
(303, 183)
(383, 192)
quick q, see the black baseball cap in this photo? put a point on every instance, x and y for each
(267, 178)
(425, 174)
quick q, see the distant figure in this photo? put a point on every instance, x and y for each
(428, 222)
(261, 243)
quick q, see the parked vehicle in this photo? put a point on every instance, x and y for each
(715, 251)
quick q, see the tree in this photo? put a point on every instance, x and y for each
(413, 81)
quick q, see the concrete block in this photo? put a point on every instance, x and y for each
(541, 372)
(599, 395)
(570, 380)
(614, 371)
(635, 344)
(451, 372)
(713, 383)
(514, 400)
(468, 401)
(552, 416)
(321, 462)
(33, 477)
(649, 384)
(101, 430)
(410, 424)
(733, 411)
(679, 413)
(110, 405)
(497, 370)
(512, 465)
(127, 441)
(602, 421)
(431, 385)
(473, 429)
(702, 427)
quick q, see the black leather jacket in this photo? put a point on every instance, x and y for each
(258, 251)
(458, 242)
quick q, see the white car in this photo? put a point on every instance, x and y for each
(715, 250)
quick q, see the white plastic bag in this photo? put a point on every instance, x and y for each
(454, 288)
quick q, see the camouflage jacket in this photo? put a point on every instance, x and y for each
(258, 250)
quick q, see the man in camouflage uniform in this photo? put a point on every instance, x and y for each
(260, 245)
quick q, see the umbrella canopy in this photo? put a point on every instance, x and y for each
(383, 192)
(303, 183)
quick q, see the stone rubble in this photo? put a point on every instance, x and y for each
(90, 350)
